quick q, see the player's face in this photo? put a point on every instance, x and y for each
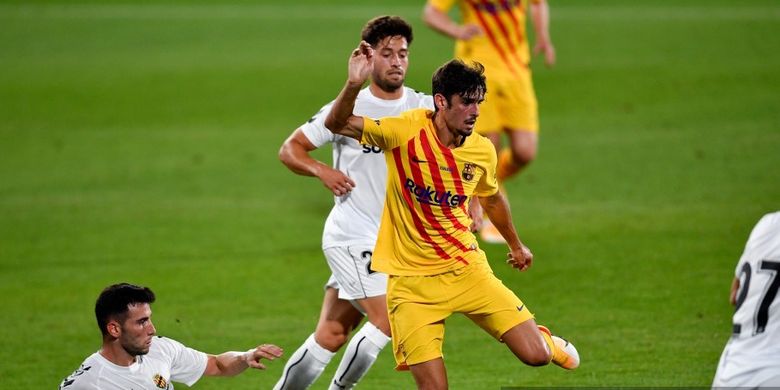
(461, 113)
(137, 330)
(391, 59)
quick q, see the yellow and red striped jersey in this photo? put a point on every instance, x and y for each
(503, 46)
(425, 223)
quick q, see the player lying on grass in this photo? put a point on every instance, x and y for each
(133, 357)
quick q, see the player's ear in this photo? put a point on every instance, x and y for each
(113, 328)
(440, 101)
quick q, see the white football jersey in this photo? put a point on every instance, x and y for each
(354, 219)
(753, 352)
(167, 361)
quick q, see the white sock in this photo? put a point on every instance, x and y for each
(360, 355)
(304, 366)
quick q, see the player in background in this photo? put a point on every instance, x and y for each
(493, 33)
(357, 179)
(752, 355)
(435, 267)
(132, 357)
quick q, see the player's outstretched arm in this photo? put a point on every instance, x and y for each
(341, 119)
(497, 209)
(441, 22)
(294, 154)
(540, 14)
(234, 363)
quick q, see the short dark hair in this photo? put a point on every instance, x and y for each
(113, 302)
(382, 27)
(457, 78)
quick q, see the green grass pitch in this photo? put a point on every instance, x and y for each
(138, 142)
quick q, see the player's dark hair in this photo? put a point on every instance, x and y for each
(382, 27)
(113, 302)
(457, 78)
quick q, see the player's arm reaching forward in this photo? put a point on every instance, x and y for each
(497, 209)
(294, 154)
(234, 363)
(341, 119)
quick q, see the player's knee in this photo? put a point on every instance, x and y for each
(432, 385)
(331, 337)
(535, 354)
(523, 156)
(537, 357)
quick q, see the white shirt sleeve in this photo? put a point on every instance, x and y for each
(314, 129)
(80, 380)
(187, 364)
(427, 102)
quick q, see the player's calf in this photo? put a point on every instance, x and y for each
(564, 354)
(360, 355)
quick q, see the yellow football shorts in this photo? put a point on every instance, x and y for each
(510, 103)
(418, 306)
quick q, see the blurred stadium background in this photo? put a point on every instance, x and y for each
(138, 143)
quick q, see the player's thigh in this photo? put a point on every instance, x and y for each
(527, 343)
(337, 320)
(518, 106)
(351, 267)
(337, 316)
(489, 303)
(417, 308)
(524, 145)
(431, 374)
(376, 310)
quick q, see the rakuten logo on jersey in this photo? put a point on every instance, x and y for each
(428, 195)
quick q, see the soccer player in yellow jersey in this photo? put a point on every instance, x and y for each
(493, 33)
(435, 166)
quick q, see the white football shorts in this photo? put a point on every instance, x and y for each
(352, 274)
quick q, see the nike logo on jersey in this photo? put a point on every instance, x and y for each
(520, 308)
(417, 160)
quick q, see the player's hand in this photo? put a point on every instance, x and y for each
(475, 212)
(336, 181)
(468, 31)
(545, 46)
(265, 351)
(520, 258)
(361, 63)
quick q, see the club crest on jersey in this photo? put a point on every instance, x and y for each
(160, 382)
(426, 194)
(468, 171)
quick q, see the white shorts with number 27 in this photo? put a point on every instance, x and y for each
(352, 274)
